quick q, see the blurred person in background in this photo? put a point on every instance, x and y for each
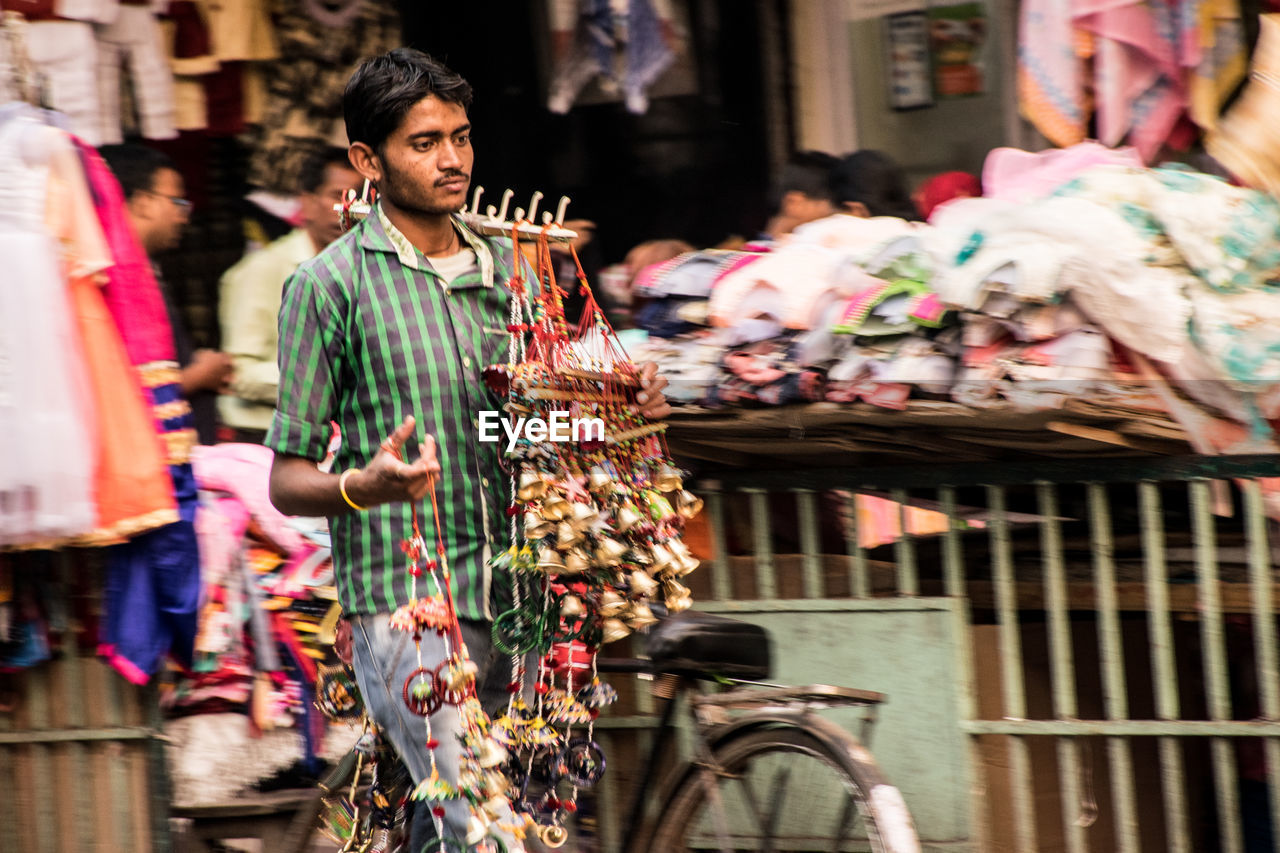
(803, 193)
(250, 293)
(158, 211)
(870, 183)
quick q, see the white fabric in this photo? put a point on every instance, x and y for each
(452, 266)
(47, 419)
(135, 38)
(66, 54)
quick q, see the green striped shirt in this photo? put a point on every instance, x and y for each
(368, 335)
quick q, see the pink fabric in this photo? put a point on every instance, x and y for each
(243, 471)
(132, 293)
(1015, 175)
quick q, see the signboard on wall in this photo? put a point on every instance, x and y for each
(907, 46)
(957, 34)
(861, 10)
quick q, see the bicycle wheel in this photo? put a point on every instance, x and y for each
(786, 790)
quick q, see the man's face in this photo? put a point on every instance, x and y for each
(163, 212)
(426, 162)
(318, 215)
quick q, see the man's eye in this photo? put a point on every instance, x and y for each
(425, 145)
(465, 139)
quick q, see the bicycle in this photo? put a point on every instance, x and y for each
(755, 734)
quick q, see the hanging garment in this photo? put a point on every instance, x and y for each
(133, 492)
(134, 39)
(1051, 72)
(65, 52)
(303, 110)
(47, 416)
(603, 35)
(1245, 142)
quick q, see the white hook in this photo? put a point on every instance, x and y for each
(564, 206)
(533, 204)
(491, 212)
(519, 217)
(546, 217)
(475, 201)
(506, 199)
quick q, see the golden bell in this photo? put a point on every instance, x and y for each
(641, 617)
(686, 564)
(611, 604)
(531, 486)
(614, 630)
(583, 516)
(679, 605)
(627, 517)
(688, 504)
(672, 588)
(496, 782)
(667, 479)
(566, 536)
(572, 607)
(549, 560)
(553, 836)
(642, 584)
(491, 754)
(610, 552)
(576, 562)
(662, 558)
(598, 479)
(535, 526)
(555, 507)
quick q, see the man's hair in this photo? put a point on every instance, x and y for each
(875, 179)
(807, 172)
(135, 166)
(384, 88)
(316, 168)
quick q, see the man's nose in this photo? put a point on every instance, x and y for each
(450, 157)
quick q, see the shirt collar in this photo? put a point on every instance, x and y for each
(382, 235)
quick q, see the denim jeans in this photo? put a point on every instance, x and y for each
(383, 660)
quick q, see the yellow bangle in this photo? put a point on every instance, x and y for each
(342, 487)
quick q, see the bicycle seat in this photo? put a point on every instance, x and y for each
(703, 645)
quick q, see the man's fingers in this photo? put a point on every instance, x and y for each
(658, 412)
(429, 448)
(397, 439)
(648, 370)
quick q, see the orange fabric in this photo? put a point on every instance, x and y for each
(133, 490)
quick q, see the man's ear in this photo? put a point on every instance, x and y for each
(365, 161)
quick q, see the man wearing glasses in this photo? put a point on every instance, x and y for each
(154, 197)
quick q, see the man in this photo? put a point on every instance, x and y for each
(387, 332)
(804, 192)
(157, 210)
(249, 301)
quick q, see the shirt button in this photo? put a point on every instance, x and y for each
(484, 481)
(466, 361)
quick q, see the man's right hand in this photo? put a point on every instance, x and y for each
(388, 479)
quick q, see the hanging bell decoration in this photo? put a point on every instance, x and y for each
(688, 504)
(490, 754)
(667, 478)
(611, 604)
(497, 782)
(567, 536)
(642, 584)
(610, 552)
(614, 630)
(576, 562)
(641, 617)
(572, 608)
(477, 829)
(662, 558)
(555, 507)
(686, 564)
(549, 561)
(583, 516)
(554, 836)
(598, 479)
(460, 676)
(673, 589)
(531, 486)
(536, 527)
(627, 517)
(679, 605)
(495, 806)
